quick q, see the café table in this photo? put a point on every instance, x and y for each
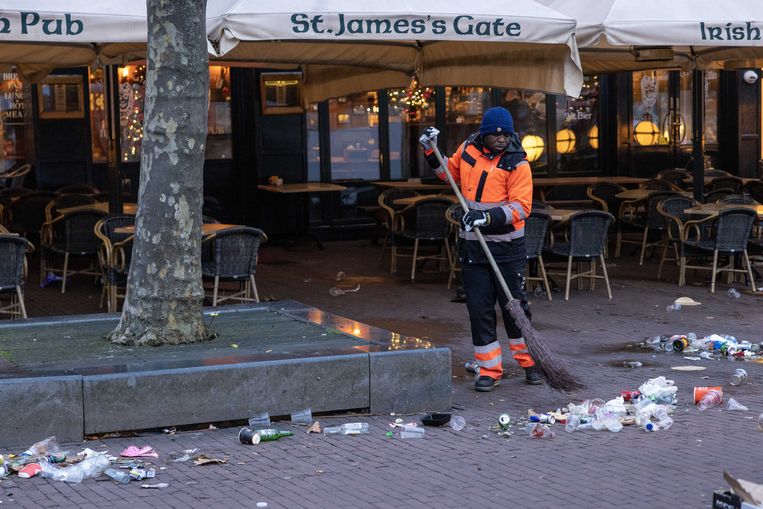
(643, 194)
(543, 184)
(712, 209)
(207, 229)
(295, 196)
(414, 184)
(708, 180)
(127, 208)
(410, 200)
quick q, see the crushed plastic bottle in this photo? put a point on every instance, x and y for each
(43, 447)
(710, 399)
(664, 421)
(673, 307)
(572, 424)
(410, 431)
(736, 406)
(119, 476)
(539, 430)
(734, 293)
(472, 366)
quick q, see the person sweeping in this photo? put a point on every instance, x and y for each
(495, 179)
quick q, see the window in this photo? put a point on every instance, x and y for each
(313, 144)
(650, 107)
(15, 123)
(465, 106)
(577, 128)
(99, 135)
(711, 107)
(132, 91)
(411, 111)
(528, 110)
(354, 133)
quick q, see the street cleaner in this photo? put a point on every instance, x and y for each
(492, 171)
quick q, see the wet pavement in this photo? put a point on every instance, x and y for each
(679, 467)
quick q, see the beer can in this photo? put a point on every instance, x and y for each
(504, 420)
(680, 344)
(248, 436)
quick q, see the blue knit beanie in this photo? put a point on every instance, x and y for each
(497, 120)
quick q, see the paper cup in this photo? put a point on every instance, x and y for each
(248, 436)
(699, 392)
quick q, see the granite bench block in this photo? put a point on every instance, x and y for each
(149, 399)
(36, 408)
(411, 380)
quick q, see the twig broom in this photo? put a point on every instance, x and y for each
(552, 369)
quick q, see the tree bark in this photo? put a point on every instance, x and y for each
(164, 288)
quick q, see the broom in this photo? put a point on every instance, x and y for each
(551, 368)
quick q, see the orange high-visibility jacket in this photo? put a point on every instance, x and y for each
(487, 181)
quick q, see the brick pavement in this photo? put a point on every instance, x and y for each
(675, 468)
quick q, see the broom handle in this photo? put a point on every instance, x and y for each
(488, 254)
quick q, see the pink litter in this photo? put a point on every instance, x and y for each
(139, 452)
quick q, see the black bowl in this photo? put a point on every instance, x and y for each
(436, 419)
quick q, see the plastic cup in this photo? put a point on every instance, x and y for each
(739, 377)
(457, 423)
(302, 417)
(259, 421)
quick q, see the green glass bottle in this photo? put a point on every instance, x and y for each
(269, 434)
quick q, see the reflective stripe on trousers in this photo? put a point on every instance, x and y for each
(519, 352)
(489, 360)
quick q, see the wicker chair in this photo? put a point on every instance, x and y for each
(114, 256)
(587, 240)
(604, 197)
(673, 211)
(731, 232)
(718, 195)
(536, 228)
(714, 172)
(727, 182)
(66, 201)
(657, 184)
(453, 214)
(390, 220)
(677, 177)
(423, 222)
(648, 223)
(13, 251)
(231, 255)
(8, 195)
(27, 214)
(14, 178)
(738, 199)
(77, 189)
(70, 235)
(754, 188)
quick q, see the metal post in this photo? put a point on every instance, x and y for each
(114, 178)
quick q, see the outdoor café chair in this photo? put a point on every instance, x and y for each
(658, 184)
(738, 199)
(587, 234)
(26, 213)
(673, 211)
(718, 195)
(714, 172)
(14, 178)
(9, 194)
(727, 182)
(423, 223)
(650, 224)
(536, 228)
(66, 201)
(77, 189)
(604, 196)
(114, 256)
(209, 220)
(231, 255)
(70, 235)
(390, 220)
(730, 234)
(754, 188)
(13, 251)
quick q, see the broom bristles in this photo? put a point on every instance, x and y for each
(551, 368)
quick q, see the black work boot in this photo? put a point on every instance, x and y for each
(532, 376)
(485, 383)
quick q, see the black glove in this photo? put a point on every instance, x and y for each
(479, 218)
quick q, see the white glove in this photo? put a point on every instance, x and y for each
(429, 138)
